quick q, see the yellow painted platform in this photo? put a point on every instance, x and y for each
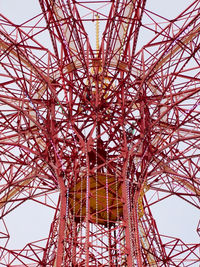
(99, 197)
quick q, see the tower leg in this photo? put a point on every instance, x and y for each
(61, 231)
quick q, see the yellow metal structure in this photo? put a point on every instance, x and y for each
(78, 195)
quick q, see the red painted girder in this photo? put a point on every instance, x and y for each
(122, 27)
(171, 45)
(23, 58)
(65, 26)
(23, 36)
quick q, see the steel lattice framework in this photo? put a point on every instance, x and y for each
(112, 128)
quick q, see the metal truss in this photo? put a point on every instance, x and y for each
(108, 125)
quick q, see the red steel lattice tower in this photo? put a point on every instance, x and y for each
(113, 128)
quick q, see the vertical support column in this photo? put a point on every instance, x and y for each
(61, 231)
(87, 208)
(63, 207)
(128, 235)
(125, 195)
(61, 185)
(136, 232)
(74, 244)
